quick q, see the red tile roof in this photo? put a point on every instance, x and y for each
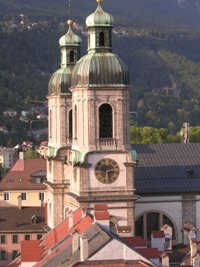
(135, 241)
(102, 215)
(100, 207)
(149, 253)
(158, 234)
(18, 177)
(61, 231)
(31, 251)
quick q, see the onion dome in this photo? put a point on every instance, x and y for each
(70, 38)
(60, 82)
(100, 70)
(99, 18)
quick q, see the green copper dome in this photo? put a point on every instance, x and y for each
(99, 18)
(100, 70)
(70, 38)
(60, 82)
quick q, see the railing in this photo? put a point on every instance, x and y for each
(107, 143)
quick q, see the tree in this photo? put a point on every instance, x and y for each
(31, 154)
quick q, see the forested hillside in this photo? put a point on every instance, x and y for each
(160, 47)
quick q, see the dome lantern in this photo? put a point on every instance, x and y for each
(60, 81)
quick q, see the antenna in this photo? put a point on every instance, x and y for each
(69, 9)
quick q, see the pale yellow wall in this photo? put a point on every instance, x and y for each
(32, 198)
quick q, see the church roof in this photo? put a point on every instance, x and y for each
(167, 168)
(60, 82)
(99, 17)
(100, 70)
(70, 38)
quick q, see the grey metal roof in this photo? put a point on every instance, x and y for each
(100, 69)
(60, 82)
(167, 168)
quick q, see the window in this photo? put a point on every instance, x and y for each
(105, 121)
(101, 39)
(71, 56)
(15, 254)
(3, 239)
(41, 196)
(75, 122)
(151, 221)
(39, 236)
(15, 239)
(23, 196)
(27, 237)
(6, 196)
(70, 124)
(2, 255)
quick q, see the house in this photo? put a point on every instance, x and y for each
(9, 113)
(3, 129)
(42, 149)
(167, 180)
(8, 157)
(17, 224)
(81, 239)
(24, 183)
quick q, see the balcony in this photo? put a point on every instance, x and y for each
(107, 143)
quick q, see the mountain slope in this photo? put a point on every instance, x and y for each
(178, 12)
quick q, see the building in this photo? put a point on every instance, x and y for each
(17, 224)
(167, 178)
(23, 183)
(90, 157)
(8, 157)
(85, 240)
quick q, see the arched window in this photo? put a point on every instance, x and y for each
(75, 122)
(71, 56)
(152, 221)
(101, 39)
(70, 124)
(105, 121)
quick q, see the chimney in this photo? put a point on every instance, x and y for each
(101, 215)
(75, 241)
(165, 260)
(168, 231)
(193, 242)
(185, 133)
(158, 240)
(21, 155)
(83, 248)
(70, 220)
(19, 202)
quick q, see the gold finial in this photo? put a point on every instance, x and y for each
(70, 22)
(99, 1)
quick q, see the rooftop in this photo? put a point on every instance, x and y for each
(167, 168)
(19, 176)
(14, 219)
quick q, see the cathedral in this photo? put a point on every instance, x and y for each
(90, 158)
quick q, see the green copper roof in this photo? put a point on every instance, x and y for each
(60, 82)
(100, 70)
(70, 38)
(99, 18)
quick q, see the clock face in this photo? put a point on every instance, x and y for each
(107, 171)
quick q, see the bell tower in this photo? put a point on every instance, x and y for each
(102, 162)
(60, 126)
